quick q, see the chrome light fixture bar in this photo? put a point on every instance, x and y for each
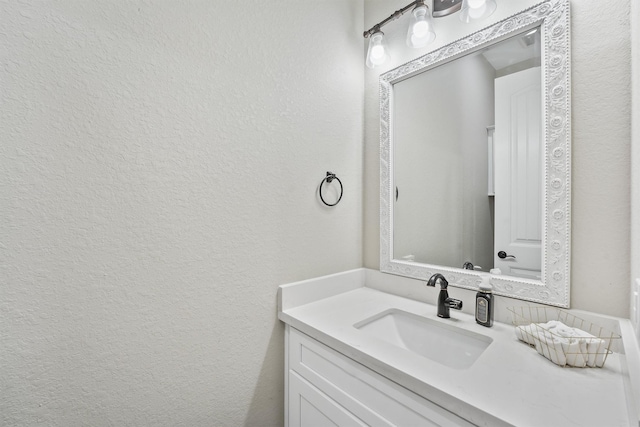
(420, 31)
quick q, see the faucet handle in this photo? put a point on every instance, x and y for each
(454, 303)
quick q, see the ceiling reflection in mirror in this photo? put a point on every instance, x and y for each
(475, 159)
(467, 157)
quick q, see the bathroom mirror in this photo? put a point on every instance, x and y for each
(475, 159)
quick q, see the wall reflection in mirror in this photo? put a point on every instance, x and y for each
(468, 161)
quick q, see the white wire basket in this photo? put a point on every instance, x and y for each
(563, 338)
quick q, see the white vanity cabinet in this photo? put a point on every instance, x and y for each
(325, 388)
(337, 373)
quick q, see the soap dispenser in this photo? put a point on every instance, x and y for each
(484, 303)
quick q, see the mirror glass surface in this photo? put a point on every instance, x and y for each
(475, 159)
(459, 128)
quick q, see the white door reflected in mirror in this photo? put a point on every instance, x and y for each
(518, 167)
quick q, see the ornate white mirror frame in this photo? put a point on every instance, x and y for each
(552, 16)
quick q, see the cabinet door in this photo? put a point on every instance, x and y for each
(309, 407)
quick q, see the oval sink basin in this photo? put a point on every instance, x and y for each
(436, 340)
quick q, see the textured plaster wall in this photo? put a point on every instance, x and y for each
(159, 167)
(601, 168)
(635, 160)
(601, 134)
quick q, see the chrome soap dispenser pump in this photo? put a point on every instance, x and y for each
(484, 303)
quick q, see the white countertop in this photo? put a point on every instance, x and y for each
(510, 384)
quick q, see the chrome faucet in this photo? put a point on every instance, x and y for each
(444, 302)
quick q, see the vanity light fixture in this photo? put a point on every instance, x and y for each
(377, 54)
(420, 32)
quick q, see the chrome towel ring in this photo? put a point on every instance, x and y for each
(330, 177)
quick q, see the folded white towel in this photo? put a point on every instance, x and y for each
(574, 348)
(564, 345)
(550, 347)
(596, 348)
(529, 333)
(526, 333)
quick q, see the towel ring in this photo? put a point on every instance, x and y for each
(330, 177)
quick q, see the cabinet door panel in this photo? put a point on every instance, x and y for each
(309, 407)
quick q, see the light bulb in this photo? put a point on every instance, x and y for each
(474, 10)
(377, 53)
(474, 4)
(420, 32)
(420, 29)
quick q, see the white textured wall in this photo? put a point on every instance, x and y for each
(635, 159)
(601, 147)
(159, 163)
(601, 135)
